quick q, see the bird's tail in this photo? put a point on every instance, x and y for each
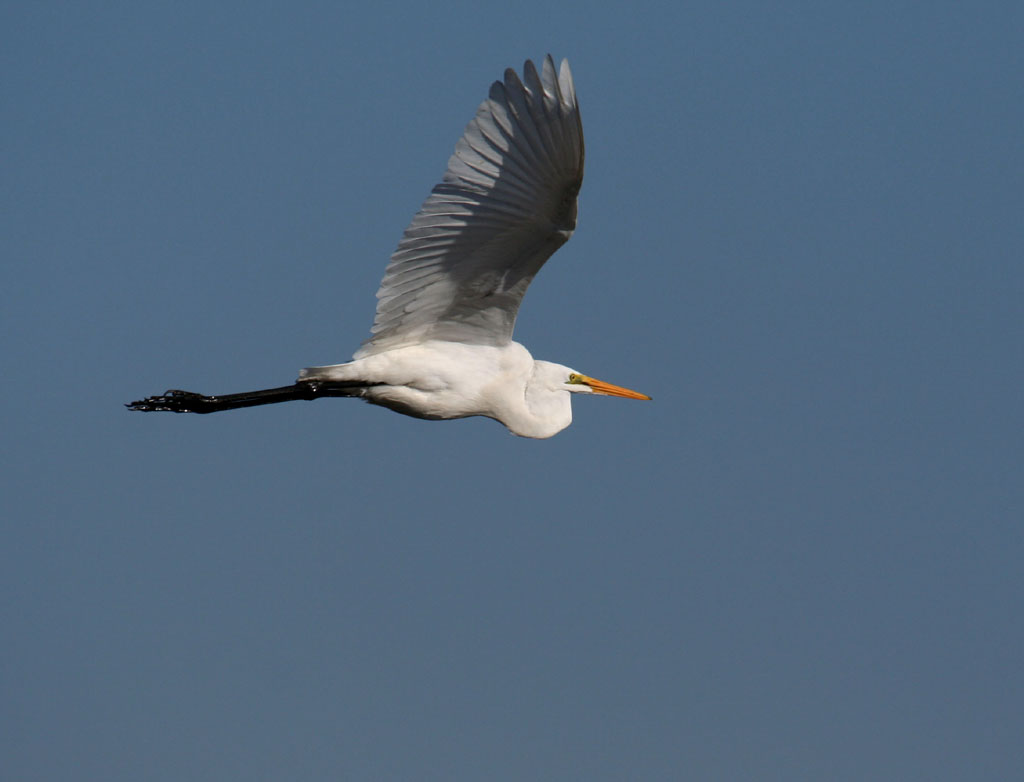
(333, 373)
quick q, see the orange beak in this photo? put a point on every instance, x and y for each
(600, 387)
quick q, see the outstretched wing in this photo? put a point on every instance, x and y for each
(505, 204)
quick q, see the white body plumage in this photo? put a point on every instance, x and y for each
(439, 380)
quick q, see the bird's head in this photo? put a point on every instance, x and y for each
(548, 409)
(555, 377)
(577, 382)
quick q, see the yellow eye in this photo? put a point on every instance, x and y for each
(574, 378)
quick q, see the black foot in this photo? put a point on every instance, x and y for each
(174, 401)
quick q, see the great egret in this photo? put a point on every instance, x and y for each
(441, 344)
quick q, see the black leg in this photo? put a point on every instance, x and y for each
(177, 401)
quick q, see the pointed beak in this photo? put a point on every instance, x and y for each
(600, 387)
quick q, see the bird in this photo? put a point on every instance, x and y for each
(441, 343)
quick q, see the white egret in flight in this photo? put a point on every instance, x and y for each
(441, 344)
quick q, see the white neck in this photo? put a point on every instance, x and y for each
(544, 410)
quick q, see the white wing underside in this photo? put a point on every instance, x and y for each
(505, 204)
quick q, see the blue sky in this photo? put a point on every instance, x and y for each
(800, 231)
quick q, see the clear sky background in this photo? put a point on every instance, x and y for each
(800, 232)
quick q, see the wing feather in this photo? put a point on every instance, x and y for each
(506, 202)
